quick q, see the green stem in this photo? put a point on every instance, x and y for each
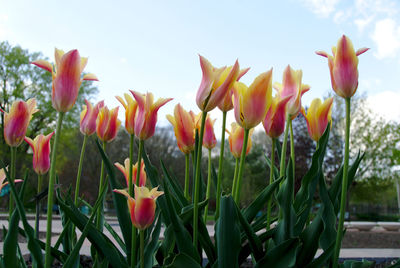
(130, 185)
(344, 187)
(283, 152)
(12, 173)
(50, 196)
(220, 165)
(208, 192)
(134, 230)
(39, 189)
(241, 166)
(78, 176)
(292, 156)
(271, 180)
(197, 182)
(235, 177)
(187, 163)
(141, 249)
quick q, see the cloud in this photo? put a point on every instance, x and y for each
(386, 104)
(386, 36)
(362, 23)
(322, 8)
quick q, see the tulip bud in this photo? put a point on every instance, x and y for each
(89, 117)
(41, 152)
(184, 128)
(318, 116)
(125, 171)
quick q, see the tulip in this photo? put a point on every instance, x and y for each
(343, 67)
(184, 128)
(274, 121)
(251, 103)
(130, 112)
(66, 77)
(146, 118)
(41, 152)
(3, 178)
(292, 86)
(209, 140)
(236, 140)
(16, 121)
(89, 117)
(107, 124)
(214, 84)
(318, 116)
(142, 208)
(125, 170)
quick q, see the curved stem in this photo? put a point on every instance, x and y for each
(39, 189)
(187, 163)
(271, 180)
(141, 249)
(241, 165)
(220, 165)
(344, 187)
(197, 182)
(283, 152)
(208, 192)
(12, 174)
(292, 156)
(50, 196)
(235, 177)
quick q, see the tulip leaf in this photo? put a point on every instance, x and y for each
(152, 243)
(309, 238)
(115, 235)
(357, 264)
(322, 259)
(281, 256)
(176, 189)
(183, 261)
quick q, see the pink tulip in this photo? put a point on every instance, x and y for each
(125, 170)
(41, 152)
(107, 124)
(89, 117)
(209, 140)
(274, 121)
(130, 112)
(3, 178)
(318, 116)
(235, 139)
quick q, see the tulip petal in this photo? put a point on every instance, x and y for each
(90, 77)
(44, 65)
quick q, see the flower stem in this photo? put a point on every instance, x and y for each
(187, 163)
(344, 187)
(39, 189)
(197, 182)
(271, 180)
(78, 176)
(99, 223)
(283, 152)
(130, 179)
(12, 174)
(235, 177)
(292, 156)
(208, 192)
(141, 249)
(241, 166)
(50, 196)
(220, 165)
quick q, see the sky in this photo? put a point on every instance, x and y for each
(154, 45)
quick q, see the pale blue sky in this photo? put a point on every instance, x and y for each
(154, 45)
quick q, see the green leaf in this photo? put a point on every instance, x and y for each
(323, 258)
(183, 261)
(152, 243)
(309, 238)
(328, 216)
(115, 235)
(281, 256)
(357, 264)
(176, 189)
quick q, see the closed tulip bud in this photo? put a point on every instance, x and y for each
(318, 116)
(184, 128)
(107, 124)
(41, 152)
(89, 117)
(16, 121)
(274, 121)
(66, 77)
(292, 86)
(251, 103)
(142, 208)
(130, 112)
(125, 170)
(146, 119)
(343, 67)
(209, 140)
(215, 84)
(236, 140)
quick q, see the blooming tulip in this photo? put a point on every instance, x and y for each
(130, 112)
(66, 77)
(146, 118)
(184, 127)
(251, 103)
(292, 86)
(209, 140)
(89, 117)
(107, 124)
(16, 121)
(343, 67)
(274, 121)
(3, 178)
(214, 84)
(142, 208)
(41, 152)
(236, 140)
(125, 171)
(318, 117)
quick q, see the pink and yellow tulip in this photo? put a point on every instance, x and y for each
(215, 84)
(16, 121)
(107, 124)
(274, 121)
(66, 77)
(184, 128)
(236, 140)
(209, 140)
(89, 117)
(125, 170)
(292, 86)
(142, 208)
(41, 152)
(130, 112)
(146, 118)
(251, 103)
(343, 67)
(318, 116)
(3, 178)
